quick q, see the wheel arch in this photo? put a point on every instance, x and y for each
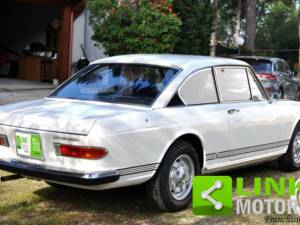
(293, 126)
(297, 124)
(197, 143)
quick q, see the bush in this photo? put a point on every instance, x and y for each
(139, 27)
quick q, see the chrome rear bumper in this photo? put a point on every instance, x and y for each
(38, 172)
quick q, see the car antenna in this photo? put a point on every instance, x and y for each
(84, 53)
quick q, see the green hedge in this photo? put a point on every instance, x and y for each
(127, 28)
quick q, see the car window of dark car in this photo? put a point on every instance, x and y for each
(275, 66)
(119, 83)
(259, 65)
(256, 89)
(288, 69)
(282, 67)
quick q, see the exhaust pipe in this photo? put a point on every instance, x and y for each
(10, 177)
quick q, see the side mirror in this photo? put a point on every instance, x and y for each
(275, 96)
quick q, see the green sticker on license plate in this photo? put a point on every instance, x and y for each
(29, 145)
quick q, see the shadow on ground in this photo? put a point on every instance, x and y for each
(112, 201)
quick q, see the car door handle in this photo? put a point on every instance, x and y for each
(232, 111)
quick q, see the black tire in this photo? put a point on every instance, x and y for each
(287, 162)
(281, 93)
(158, 188)
(297, 98)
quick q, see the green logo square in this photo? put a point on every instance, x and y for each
(212, 195)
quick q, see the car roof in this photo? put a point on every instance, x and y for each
(258, 58)
(172, 60)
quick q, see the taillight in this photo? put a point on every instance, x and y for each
(267, 76)
(81, 152)
(4, 140)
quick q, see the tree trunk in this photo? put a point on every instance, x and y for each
(250, 24)
(213, 36)
(238, 18)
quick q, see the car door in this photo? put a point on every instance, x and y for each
(204, 113)
(289, 85)
(293, 83)
(254, 121)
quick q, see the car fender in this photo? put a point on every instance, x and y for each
(177, 136)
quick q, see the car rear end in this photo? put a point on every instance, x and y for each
(91, 155)
(51, 140)
(58, 157)
(264, 71)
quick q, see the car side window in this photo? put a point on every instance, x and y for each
(199, 88)
(275, 66)
(282, 67)
(288, 69)
(257, 93)
(233, 84)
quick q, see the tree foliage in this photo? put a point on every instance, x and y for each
(196, 17)
(278, 26)
(134, 26)
(227, 22)
(185, 26)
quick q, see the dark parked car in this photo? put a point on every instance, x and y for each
(275, 75)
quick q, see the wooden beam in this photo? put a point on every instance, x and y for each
(65, 44)
(78, 8)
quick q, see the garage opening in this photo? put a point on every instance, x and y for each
(36, 38)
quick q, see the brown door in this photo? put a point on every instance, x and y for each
(69, 13)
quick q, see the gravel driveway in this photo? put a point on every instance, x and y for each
(16, 90)
(22, 95)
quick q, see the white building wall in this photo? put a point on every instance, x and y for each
(78, 37)
(92, 51)
(82, 35)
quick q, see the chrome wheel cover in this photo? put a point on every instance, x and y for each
(296, 148)
(181, 177)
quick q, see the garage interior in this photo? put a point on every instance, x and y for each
(36, 38)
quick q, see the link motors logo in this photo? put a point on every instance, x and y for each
(213, 195)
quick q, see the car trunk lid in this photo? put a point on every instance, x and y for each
(58, 115)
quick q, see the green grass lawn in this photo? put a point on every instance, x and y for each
(34, 202)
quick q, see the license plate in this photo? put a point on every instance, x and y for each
(29, 145)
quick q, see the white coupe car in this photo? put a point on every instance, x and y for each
(160, 119)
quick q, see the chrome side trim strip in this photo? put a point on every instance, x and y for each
(238, 162)
(211, 156)
(246, 150)
(138, 169)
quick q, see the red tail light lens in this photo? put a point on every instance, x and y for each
(81, 152)
(3, 140)
(267, 76)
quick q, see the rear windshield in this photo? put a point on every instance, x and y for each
(260, 65)
(118, 83)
